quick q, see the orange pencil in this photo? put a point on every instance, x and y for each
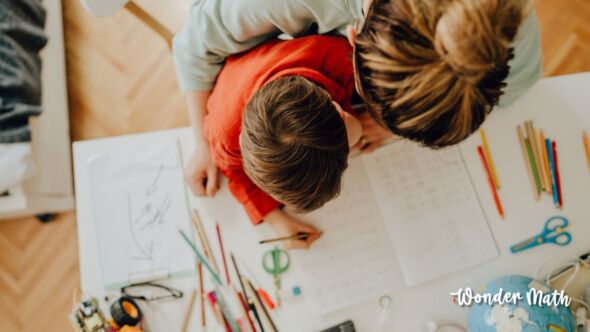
(491, 182)
(202, 295)
(586, 147)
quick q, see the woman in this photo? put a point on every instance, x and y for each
(429, 70)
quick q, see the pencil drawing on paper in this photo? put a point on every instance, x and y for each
(147, 211)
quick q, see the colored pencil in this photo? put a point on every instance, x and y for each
(263, 294)
(200, 257)
(552, 169)
(489, 159)
(296, 236)
(526, 161)
(245, 297)
(530, 152)
(222, 253)
(557, 176)
(586, 148)
(202, 295)
(534, 148)
(260, 307)
(187, 315)
(545, 162)
(198, 224)
(491, 181)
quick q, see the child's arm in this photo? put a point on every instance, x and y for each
(201, 173)
(285, 225)
(261, 207)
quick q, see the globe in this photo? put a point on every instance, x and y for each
(521, 316)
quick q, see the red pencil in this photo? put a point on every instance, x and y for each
(222, 253)
(491, 182)
(557, 177)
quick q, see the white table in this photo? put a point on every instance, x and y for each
(561, 106)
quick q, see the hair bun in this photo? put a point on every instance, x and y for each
(473, 36)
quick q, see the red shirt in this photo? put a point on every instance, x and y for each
(324, 60)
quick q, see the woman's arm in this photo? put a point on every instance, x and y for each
(218, 28)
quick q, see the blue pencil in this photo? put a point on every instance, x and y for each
(552, 170)
(201, 258)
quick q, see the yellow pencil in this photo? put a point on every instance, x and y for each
(527, 162)
(545, 162)
(488, 154)
(189, 310)
(586, 147)
(535, 149)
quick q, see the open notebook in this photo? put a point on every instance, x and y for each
(406, 215)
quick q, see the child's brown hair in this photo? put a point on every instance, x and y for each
(294, 144)
(432, 70)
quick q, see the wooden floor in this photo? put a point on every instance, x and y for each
(121, 80)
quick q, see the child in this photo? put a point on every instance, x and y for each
(279, 128)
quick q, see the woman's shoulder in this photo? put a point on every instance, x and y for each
(526, 66)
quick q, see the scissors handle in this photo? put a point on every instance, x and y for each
(276, 261)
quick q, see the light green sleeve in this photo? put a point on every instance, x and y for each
(526, 66)
(216, 29)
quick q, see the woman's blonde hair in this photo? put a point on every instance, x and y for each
(432, 70)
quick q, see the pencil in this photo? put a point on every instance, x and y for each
(586, 147)
(200, 257)
(259, 306)
(296, 236)
(526, 161)
(241, 282)
(491, 181)
(552, 169)
(202, 295)
(535, 149)
(557, 176)
(222, 253)
(187, 315)
(204, 239)
(489, 159)
(545, 162)
(530, 152)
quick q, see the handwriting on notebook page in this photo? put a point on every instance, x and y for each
(430, 209)
(353, 261)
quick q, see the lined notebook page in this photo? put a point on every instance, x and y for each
(353, 261)
(430, 209)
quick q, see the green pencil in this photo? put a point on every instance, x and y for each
(201, 258)
(535, 170)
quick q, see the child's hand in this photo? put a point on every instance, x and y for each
(285, 225)
(373, 134)
(201, 173)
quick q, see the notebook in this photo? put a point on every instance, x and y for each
(406, 215)
(139, 203)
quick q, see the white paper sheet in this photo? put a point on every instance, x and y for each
(431, 210)
(353, 261)
(139, 203)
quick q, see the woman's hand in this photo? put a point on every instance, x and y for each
(285, 225)
(201, 173)
(373, 134)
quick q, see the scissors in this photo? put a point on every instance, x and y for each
(553, 232)
(276, 262)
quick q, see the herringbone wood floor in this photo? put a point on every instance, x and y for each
(121, 80)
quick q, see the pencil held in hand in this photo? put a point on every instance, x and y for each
(297, 236)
